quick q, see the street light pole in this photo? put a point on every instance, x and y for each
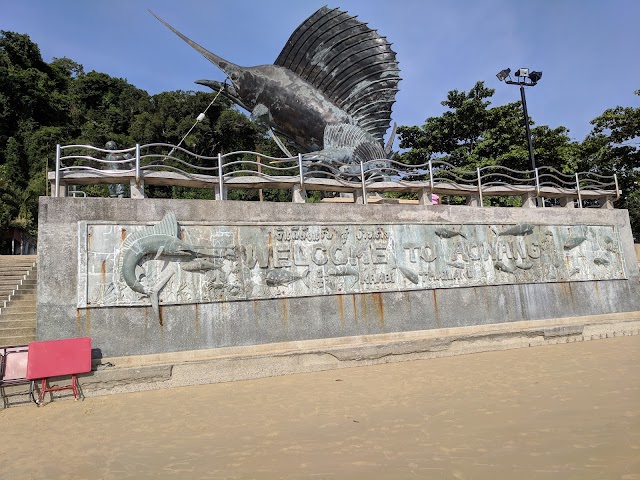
(532, 159)
(523, 75)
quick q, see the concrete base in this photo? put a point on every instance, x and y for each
(124, 330)
(178, 369)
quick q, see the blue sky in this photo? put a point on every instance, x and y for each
(587, 49)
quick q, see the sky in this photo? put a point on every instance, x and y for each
(586, 49)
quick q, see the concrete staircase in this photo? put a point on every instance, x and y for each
(18, 284)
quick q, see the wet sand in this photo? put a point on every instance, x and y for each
(568, 411)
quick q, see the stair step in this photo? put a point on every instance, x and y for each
(18, 257)
(27, 316)
(11, 280)
(17, 331)
(27, 289)
(22, 301)
(28, 302)
(18, 340)
(28, 286)
(30, 311)
(27, 294)
(16, 323)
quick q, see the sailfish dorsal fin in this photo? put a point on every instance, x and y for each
(349, 62)
(167, 226)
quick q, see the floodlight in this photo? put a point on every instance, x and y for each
(535, 76)
(522, 74)
(502, 74)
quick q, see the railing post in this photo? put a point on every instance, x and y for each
(578, 188)
(137, 164)
(537, 182)
(430, 181)
(57, 170)
(479, 186)
(221, 195)
(615, 179)
(300, 172)
(364, 184)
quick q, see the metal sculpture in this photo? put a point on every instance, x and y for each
(330, 91)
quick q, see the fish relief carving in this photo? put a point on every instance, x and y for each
(154, 242)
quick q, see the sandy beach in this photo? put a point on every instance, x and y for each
(568, 411)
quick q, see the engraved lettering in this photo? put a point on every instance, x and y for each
(300, 256)
(282, 257)
(337, 256)
(474, 251)
(502, 249)
(427, 254)
(320, 255)
(459, 253)
(412, 251)
(253, 255)
(534, 249)
(378, 255)
(520, 248)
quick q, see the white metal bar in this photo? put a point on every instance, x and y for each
(57, 170)
(364, 185)
(479, 186)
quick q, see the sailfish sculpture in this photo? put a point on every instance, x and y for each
(330, 91)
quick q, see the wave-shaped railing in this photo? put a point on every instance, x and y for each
(165, 164)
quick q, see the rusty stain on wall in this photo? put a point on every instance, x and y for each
(355, 308)
(285, 319)
(87, 321)
(197, 319)
(79, 331)
(378, 306)
(435, 309)
(571, 293)
(340, 308)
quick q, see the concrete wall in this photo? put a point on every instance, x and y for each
(118, 331)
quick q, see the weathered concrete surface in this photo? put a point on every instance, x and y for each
(122, 331)
(178, 369)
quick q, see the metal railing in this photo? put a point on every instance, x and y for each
(161, 163)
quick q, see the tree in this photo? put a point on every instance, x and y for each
(470, 134)
(613, 146)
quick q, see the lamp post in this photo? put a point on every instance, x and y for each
(524, 79)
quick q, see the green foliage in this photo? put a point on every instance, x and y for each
(613, 146)
(471, 134)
